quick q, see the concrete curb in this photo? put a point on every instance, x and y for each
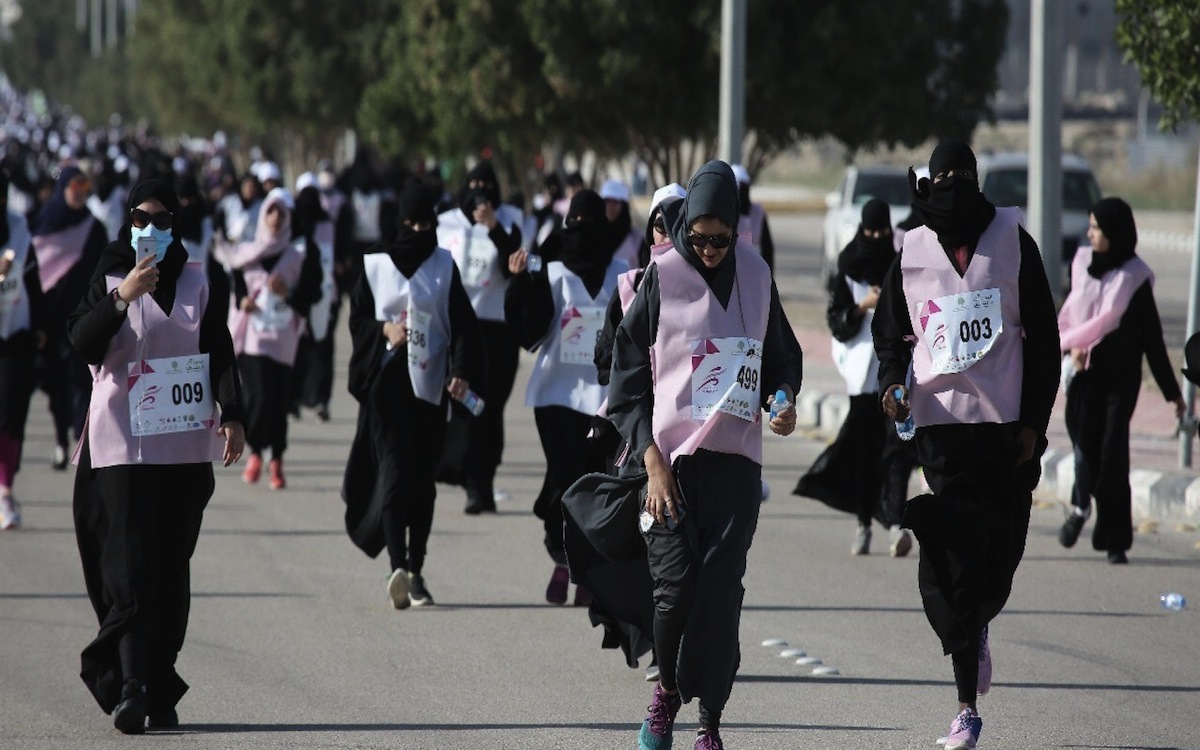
(1164, 496)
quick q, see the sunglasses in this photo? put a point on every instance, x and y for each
(140, 218)
(659, 226)
(715, 241)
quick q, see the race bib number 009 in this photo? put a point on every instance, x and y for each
(170, 394)
(960, 329)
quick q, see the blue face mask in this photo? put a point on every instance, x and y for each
(162, 239)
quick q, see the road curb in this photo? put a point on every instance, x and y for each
(1165, 496)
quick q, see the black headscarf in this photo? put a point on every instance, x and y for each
(867, 259)
(953, 208)
(308, 213)
(411, 248)
(490, 191)
(4, 230)
(188, 222)
(712, 191)
(118, 258)
(1115, 219)
(621, 227)
(586, 246)
(56, 215)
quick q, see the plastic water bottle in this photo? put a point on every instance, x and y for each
(780, 403)
(1172, 601)
(533, 262)
(906, 429)
(473, 403)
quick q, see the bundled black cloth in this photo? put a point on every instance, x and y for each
(952, 207)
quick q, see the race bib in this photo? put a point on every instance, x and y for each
(418, 337)
(960, 329)
(479, 257)
(170, 394)
(273, 314)
(725, 375)
(578, 331)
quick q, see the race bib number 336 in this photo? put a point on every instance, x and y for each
(170, 394)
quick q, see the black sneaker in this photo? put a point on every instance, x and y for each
(323, 412)
(1117, 557)
(418, 595)
(1069, 533)
(168, 719)
(130, 714)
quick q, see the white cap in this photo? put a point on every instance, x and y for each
(674, 190)
(614, 190)
(268, 170)
(283, 196)
(308, 179)
(740, 174)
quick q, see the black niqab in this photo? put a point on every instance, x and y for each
(309, 212)
(953, 208)
(469, 197)
(1115, 219)
(411, 248)
(867, 259)
(586, 247)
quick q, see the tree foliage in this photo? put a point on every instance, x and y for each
(1162, 40)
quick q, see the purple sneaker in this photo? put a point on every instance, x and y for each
(709, 740)
(660, 718)
(556, 590)
(964, 732)
(984, 682)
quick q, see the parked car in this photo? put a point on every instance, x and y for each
(859, 185)
(1004, 179)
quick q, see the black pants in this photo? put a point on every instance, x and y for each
(68, 384)
(312, 381)
(1097, 417)
(408, 438)
(697, 571)
(563, 433)
(266, 387)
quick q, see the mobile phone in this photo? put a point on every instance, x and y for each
(146, 246)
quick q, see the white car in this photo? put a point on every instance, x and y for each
(859, 185)
(1004, 179)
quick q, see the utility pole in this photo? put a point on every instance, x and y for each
(1047, 33)
(732, 125)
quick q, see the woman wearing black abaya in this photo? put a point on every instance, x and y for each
(313, 379)
(68, 241)
(560, 312)
(415, 340)
(866, 469)
(142, 483)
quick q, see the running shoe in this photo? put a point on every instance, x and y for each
(862, 541)
(652, 672)
(964, 731)
(764, 491)
(275, 468)
(901, 541)
(583, 597)
(1117, 557)
(130, 714)
(709, 739)
(660, 720)
(418, 595)
(556, 590)
(167, 719)
(10, 513)
(60, 458)
(1069, 532)
(253, 470)
(984, 682)
(398, 587)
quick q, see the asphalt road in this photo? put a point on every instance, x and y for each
(293, 642)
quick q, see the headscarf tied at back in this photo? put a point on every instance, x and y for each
(56, 215)
(410, 248)
(867, 259)
(953, 207)
(1115, 219)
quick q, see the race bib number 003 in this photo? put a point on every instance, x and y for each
(725, 378)
(960, 329)
(170, 394)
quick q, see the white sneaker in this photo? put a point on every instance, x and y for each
(862, 541)
(501, 496)
(901, 541)
(765, 492)
(10, 513)
(398, 587)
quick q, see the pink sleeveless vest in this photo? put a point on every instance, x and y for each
(1094, 307)
(279, 345)
(110, 437)
(689, 315)
(57, 253)
(753, 223)
(990, 389)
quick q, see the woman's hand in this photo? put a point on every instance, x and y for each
(457, 388)
(484, 214)
(247, 304)
(141, 279)
(395, 333)
(662, 493)
(784, 422)
(518, 262)
(235, 441)
(1079, 359)
(897, 410)
(277, 285)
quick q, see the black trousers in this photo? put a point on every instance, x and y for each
(564, 436)
(408, 435)
(312, 380)
(266, 387)
(1097, 418)
(697, 571)
(68, 384)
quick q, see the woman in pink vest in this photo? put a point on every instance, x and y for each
(627, 242)
(1108, 323)
(753, 223)
(165, 404)
(698, 357)
(968, 307)
(266, 331)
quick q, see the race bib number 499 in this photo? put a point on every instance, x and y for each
(960, 329)
(170, 394)
(725, 378)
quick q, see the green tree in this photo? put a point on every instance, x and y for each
(1162, 40)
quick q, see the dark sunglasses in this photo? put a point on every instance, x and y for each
(715, 241)
(140, 218)
(659, 226)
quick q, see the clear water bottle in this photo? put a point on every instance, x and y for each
(906, 429)
(533, 262)
(1172, 601)
(780, 403)
(473, 403)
